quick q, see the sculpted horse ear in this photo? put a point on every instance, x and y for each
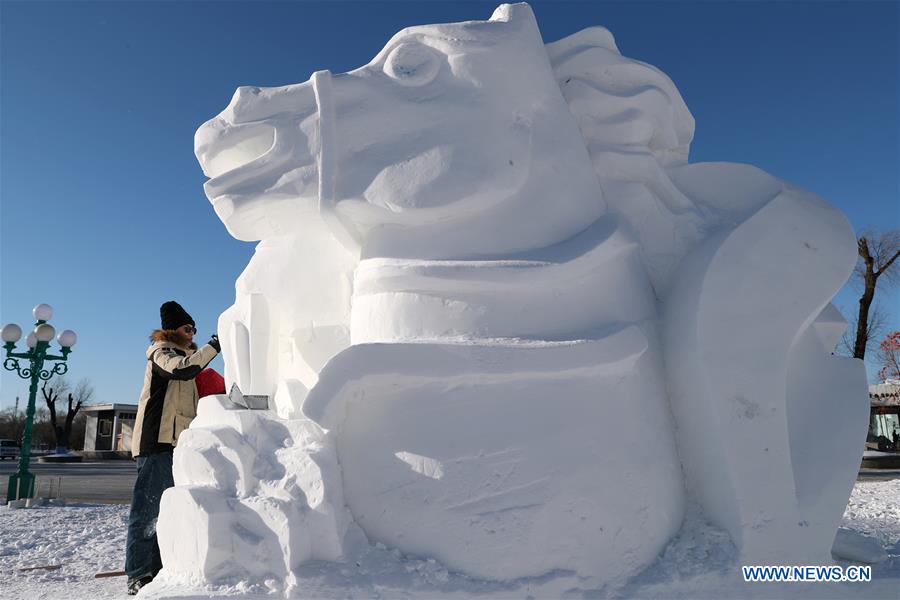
(514, 13)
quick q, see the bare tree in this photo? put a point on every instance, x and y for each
(51, 393)
(11, 423)
(76, 399)
(878, 324)
(878, 254)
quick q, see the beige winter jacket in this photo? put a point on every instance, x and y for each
(168, 401)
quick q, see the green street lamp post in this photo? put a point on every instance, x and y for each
(21, 485)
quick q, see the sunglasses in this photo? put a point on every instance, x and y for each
(189, 329)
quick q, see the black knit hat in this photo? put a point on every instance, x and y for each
(173, 316)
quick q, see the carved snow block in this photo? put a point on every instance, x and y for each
(495, 459)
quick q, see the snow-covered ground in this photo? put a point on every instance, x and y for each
(85, 539)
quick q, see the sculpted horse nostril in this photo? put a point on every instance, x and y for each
(235, 147)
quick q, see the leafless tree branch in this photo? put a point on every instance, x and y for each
(76, 398)
(878, 254)
(878, 324)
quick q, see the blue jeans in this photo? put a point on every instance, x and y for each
(142, 550)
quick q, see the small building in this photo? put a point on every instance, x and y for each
(109, 428)
(884, 416)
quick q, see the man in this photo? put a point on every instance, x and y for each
(167, 406)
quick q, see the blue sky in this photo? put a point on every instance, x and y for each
(102, 211)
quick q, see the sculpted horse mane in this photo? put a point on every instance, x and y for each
(477, 232)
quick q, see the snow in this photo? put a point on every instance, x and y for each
(84, 539)
(516, 345)
(523, 488)
(508, 327)
(852, 545)
(698, 563)
(780, 371)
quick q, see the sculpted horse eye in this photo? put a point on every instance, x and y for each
(412, 64)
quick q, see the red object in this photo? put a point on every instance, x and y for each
(209, 382)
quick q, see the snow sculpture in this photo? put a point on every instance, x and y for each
(487, 280)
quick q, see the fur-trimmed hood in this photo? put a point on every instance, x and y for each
(173, 336)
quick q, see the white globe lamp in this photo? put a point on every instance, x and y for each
(12, 333)
(44, 332)
(42, 312)
(67, 338)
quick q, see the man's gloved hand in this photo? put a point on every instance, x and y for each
(214, 342)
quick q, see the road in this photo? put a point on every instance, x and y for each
(111, 481)
(878, 474)
(107, 482)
